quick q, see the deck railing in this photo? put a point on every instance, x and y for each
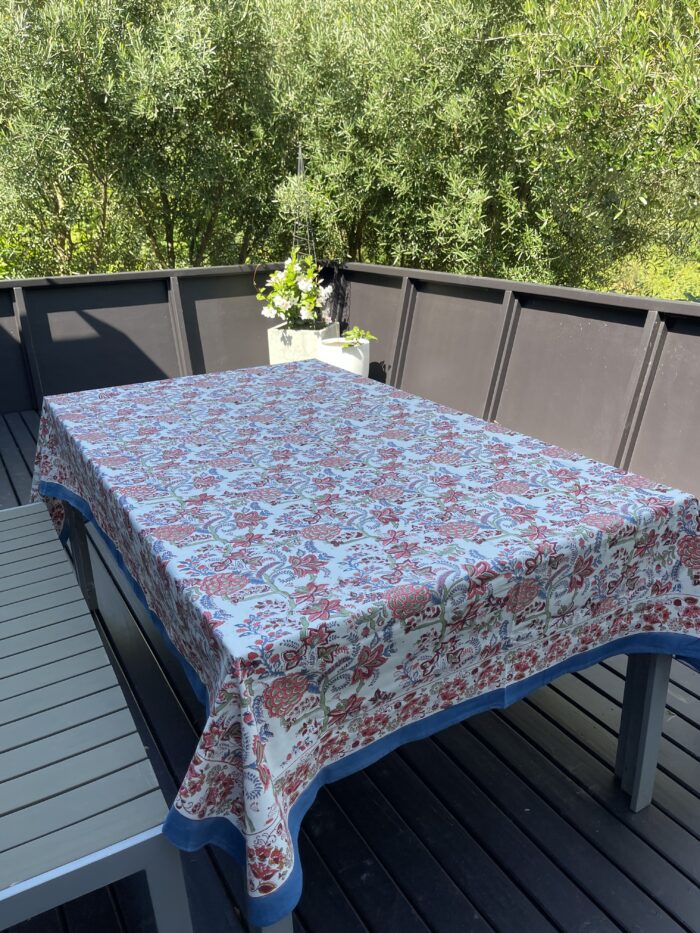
(612, 376)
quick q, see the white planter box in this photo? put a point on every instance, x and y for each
(354, 359)
(288, 346)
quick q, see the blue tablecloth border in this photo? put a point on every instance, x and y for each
(189, 834)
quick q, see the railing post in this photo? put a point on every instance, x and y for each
(652, 343)
(408, 303)
(177, 322)
(511, 304)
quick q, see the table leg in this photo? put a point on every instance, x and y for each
(641, 724)
(282, 926)
(81, 554)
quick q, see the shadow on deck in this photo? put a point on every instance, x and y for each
(509, 822)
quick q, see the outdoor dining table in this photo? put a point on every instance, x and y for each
(344, 567)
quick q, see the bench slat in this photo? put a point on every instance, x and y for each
(66, 744)
(37, 587)
(11, 563)
(65, 691)
(89, 835)
(53, 721)
(70, 807)
(35, 521)
(20, 511)
(71, 610)
(41, 603)
(29, 538)
(52, 673)
(46, 635)
(47, 566)
(21, 793)
(28, 660)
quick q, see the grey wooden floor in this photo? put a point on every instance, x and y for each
(510, 822)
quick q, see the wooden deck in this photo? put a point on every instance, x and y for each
(510, 822)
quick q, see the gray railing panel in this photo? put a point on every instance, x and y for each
(375, 304)
(101, 334)
(667, 446)
(568, 372)
(224, 328)
(452, 345)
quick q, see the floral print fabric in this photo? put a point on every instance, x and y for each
(337, 559)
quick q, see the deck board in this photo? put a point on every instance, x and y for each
(521, 804)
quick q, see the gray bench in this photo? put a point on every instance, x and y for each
(80, 805)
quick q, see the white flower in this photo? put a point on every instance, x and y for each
(282, 304)
(275, 278)
(324, 294)
(269, 311)
(305, 285)
(306, 313)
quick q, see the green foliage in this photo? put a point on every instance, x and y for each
(553, 141)
(134, 133)
(658, 273)
(353, 335)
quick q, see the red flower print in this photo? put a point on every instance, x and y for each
(521, 596)
(606, 605)
(321, 611)
(558, 452)
(407, 600)
(403, 549)
(512, 487)
(368, 661)
(248, 519)
(385, 492)
(386, 516)
(321, 532)
(520, 513)
(316, 636)
(204, 482)
(282, 695)
(223, 584)
(480, 574)
(603, 521)
(636, 482)
(583, 567)
(175, 533)
(346, 708)
(463, 531)
(689, 551)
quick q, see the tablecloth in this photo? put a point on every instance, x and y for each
(344, 567)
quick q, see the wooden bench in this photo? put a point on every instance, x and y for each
(80, 805)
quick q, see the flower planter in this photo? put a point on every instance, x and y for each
(286, 345)
(354, 359)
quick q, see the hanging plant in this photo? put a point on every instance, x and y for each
(295, 294)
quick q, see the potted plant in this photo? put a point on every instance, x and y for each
(351, 351)
(295, 295)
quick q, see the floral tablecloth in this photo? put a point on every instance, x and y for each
(346, 567)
